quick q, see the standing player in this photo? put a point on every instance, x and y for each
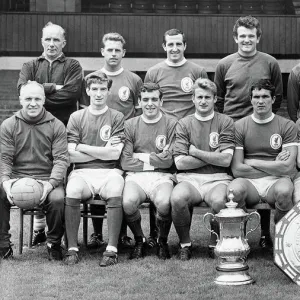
(203, 150)
(293, 93)
(123, 97)
(147, 160)
(62, 79)
(260, 171)
(176, 76)
(94, 144)
(34, 144)
(234, 76)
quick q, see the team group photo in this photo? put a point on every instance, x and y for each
(169, 177)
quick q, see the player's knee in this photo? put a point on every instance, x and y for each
(218, 202)
(130, 205)
(178, 201)
(56, 198)
(74, 189)
(163, 207)
(283, 198)
(239, 191)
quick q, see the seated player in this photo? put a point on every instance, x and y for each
(147, 159)
(34, 144)
(265, 155)
(94, 144)
(203, 150)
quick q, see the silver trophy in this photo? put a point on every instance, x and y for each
(232, 247)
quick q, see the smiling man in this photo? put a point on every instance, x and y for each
(34, 144)
(147, 159)
(203, 150)
(234, 76)
(95, 144)
(265, 156)
(176, 76)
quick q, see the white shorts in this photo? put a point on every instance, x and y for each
(263, 185)
(96, 179)
(149, 181)
(203, 183)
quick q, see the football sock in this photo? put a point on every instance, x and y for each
(39, 222)
(182, 222)
(112, 249)
(152, 221)
(97, 210)
(164, 223)
(265, 217)
(123, 231)
(72, 220)
(114, 219)
(134, 223)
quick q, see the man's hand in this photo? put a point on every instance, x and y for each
(115, 140)
(47, 188)
(58, 87)
(7, 188)
(283, 155)
(166, 148)
(192, 150)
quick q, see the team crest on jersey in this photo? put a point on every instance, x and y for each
(214, 140)
(276, 141)
(160, 142)
(124, 93)
(186, 84)
(105, 133)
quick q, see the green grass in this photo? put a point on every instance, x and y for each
(32, 276)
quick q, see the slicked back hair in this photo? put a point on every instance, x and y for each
(247, 22)
(174, 31)
(113, 36)
(150, 87)
(262, 84)
(99, 78)
(204, 84)
(63, 31)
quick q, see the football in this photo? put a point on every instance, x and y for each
(26, 193)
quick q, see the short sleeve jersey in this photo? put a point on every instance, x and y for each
(95, 130)
(176, 84)
(123, 94)
(151, 138)
(210, 135)
(264, 141)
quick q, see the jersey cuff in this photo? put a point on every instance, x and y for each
(148, 167)
(239, 148)
(290, 144)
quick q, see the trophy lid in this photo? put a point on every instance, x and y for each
(231, 211)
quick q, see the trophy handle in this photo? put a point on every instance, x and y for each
(205, 224)
(258, 219)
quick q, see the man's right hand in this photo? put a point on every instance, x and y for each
(7, 188)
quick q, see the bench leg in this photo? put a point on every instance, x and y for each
(21, 230)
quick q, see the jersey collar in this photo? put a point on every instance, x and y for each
(171, 64)
(207, 118)
(112, 73)
(152, 121)
(263, 121)
(98, 112)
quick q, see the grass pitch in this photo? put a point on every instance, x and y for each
(32, 276)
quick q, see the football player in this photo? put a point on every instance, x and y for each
(203, 150)
(94, 144)
(147, 159)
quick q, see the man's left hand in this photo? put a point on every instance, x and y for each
(47, 188)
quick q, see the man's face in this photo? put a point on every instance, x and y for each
(247, 41)
(32, 99)
(262, 103)
(174, 47)
(113, 53)
(150, 104)
(98, 93)
(204, 101)
(53, 42)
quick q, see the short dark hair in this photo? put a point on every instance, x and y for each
(149, 87)
(174, 31)
(113, 36)
(248, 22)
(63, 31)
(262, 84)
(205, 84)
(97, 78)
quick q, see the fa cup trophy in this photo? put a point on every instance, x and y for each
(232, 247)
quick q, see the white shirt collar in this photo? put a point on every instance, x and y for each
(98, 112)
(152, 121)
(263, 121)
(112, 73)
(171, 64)
(207, 118)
